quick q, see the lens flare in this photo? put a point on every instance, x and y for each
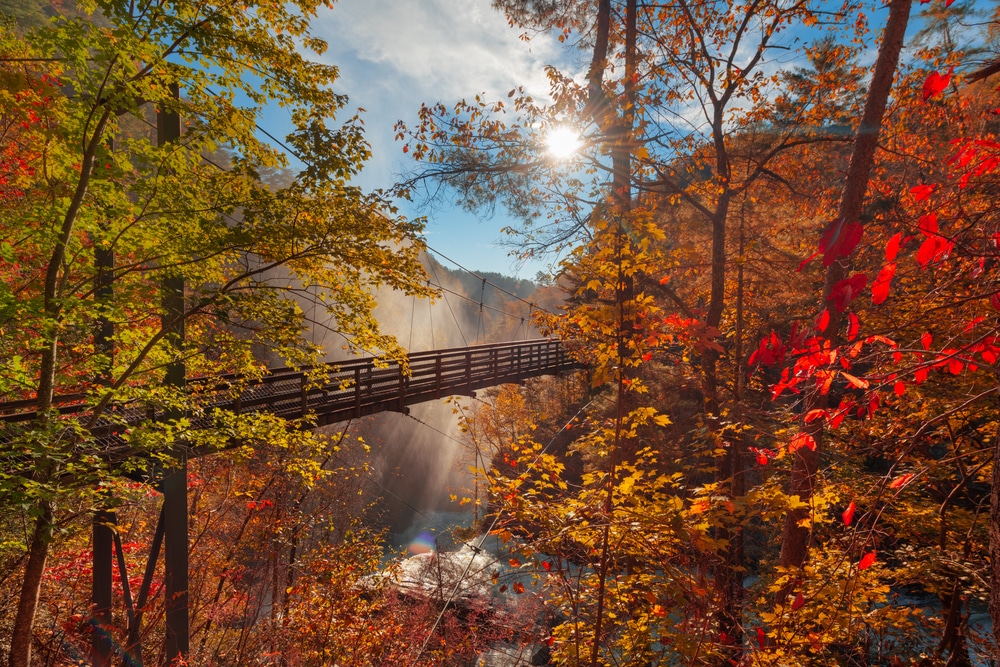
(562, 141)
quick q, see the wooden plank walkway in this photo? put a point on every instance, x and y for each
(345, 390)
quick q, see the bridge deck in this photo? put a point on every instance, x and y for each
(349, 389)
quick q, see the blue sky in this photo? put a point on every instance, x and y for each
(395, 54)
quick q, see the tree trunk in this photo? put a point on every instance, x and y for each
(795, 536)
(995, 545)
(31, 586)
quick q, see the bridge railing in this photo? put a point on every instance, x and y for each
(343, 390)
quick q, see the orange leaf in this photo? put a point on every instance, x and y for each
(800, 441)
(813, 415)
(867, 561)
(518, 587)
(900, 481)
(856, 382)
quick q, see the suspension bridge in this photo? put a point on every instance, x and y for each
(327, 394)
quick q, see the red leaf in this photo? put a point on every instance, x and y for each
(802, 440)
(518, 587)
(995, 300)
(799, 601)
(972, 325)
(926, 340)
(839, 240)
(929, 224)
(867, 561)
(899, 388)
(847, 289)
(900, 481)
(813, 415)
(848, 515)
(546, 566)
(921, 192)
(935, 84)
(806, 261)
(762, 459)
(880, 288)
(761, 638)
(926, 251)
(824, 320)
(955, 366)
(892, 247)
(853, 325)
(920, 375)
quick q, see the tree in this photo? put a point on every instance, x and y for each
(93, 181)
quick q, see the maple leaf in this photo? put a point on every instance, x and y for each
(935, 84)
(867, 561)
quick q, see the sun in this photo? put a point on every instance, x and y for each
(562, 141)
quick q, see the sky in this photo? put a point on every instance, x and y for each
(394, 55)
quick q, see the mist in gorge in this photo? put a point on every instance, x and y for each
(420, 466)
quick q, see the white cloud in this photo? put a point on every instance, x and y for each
(437, 49)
